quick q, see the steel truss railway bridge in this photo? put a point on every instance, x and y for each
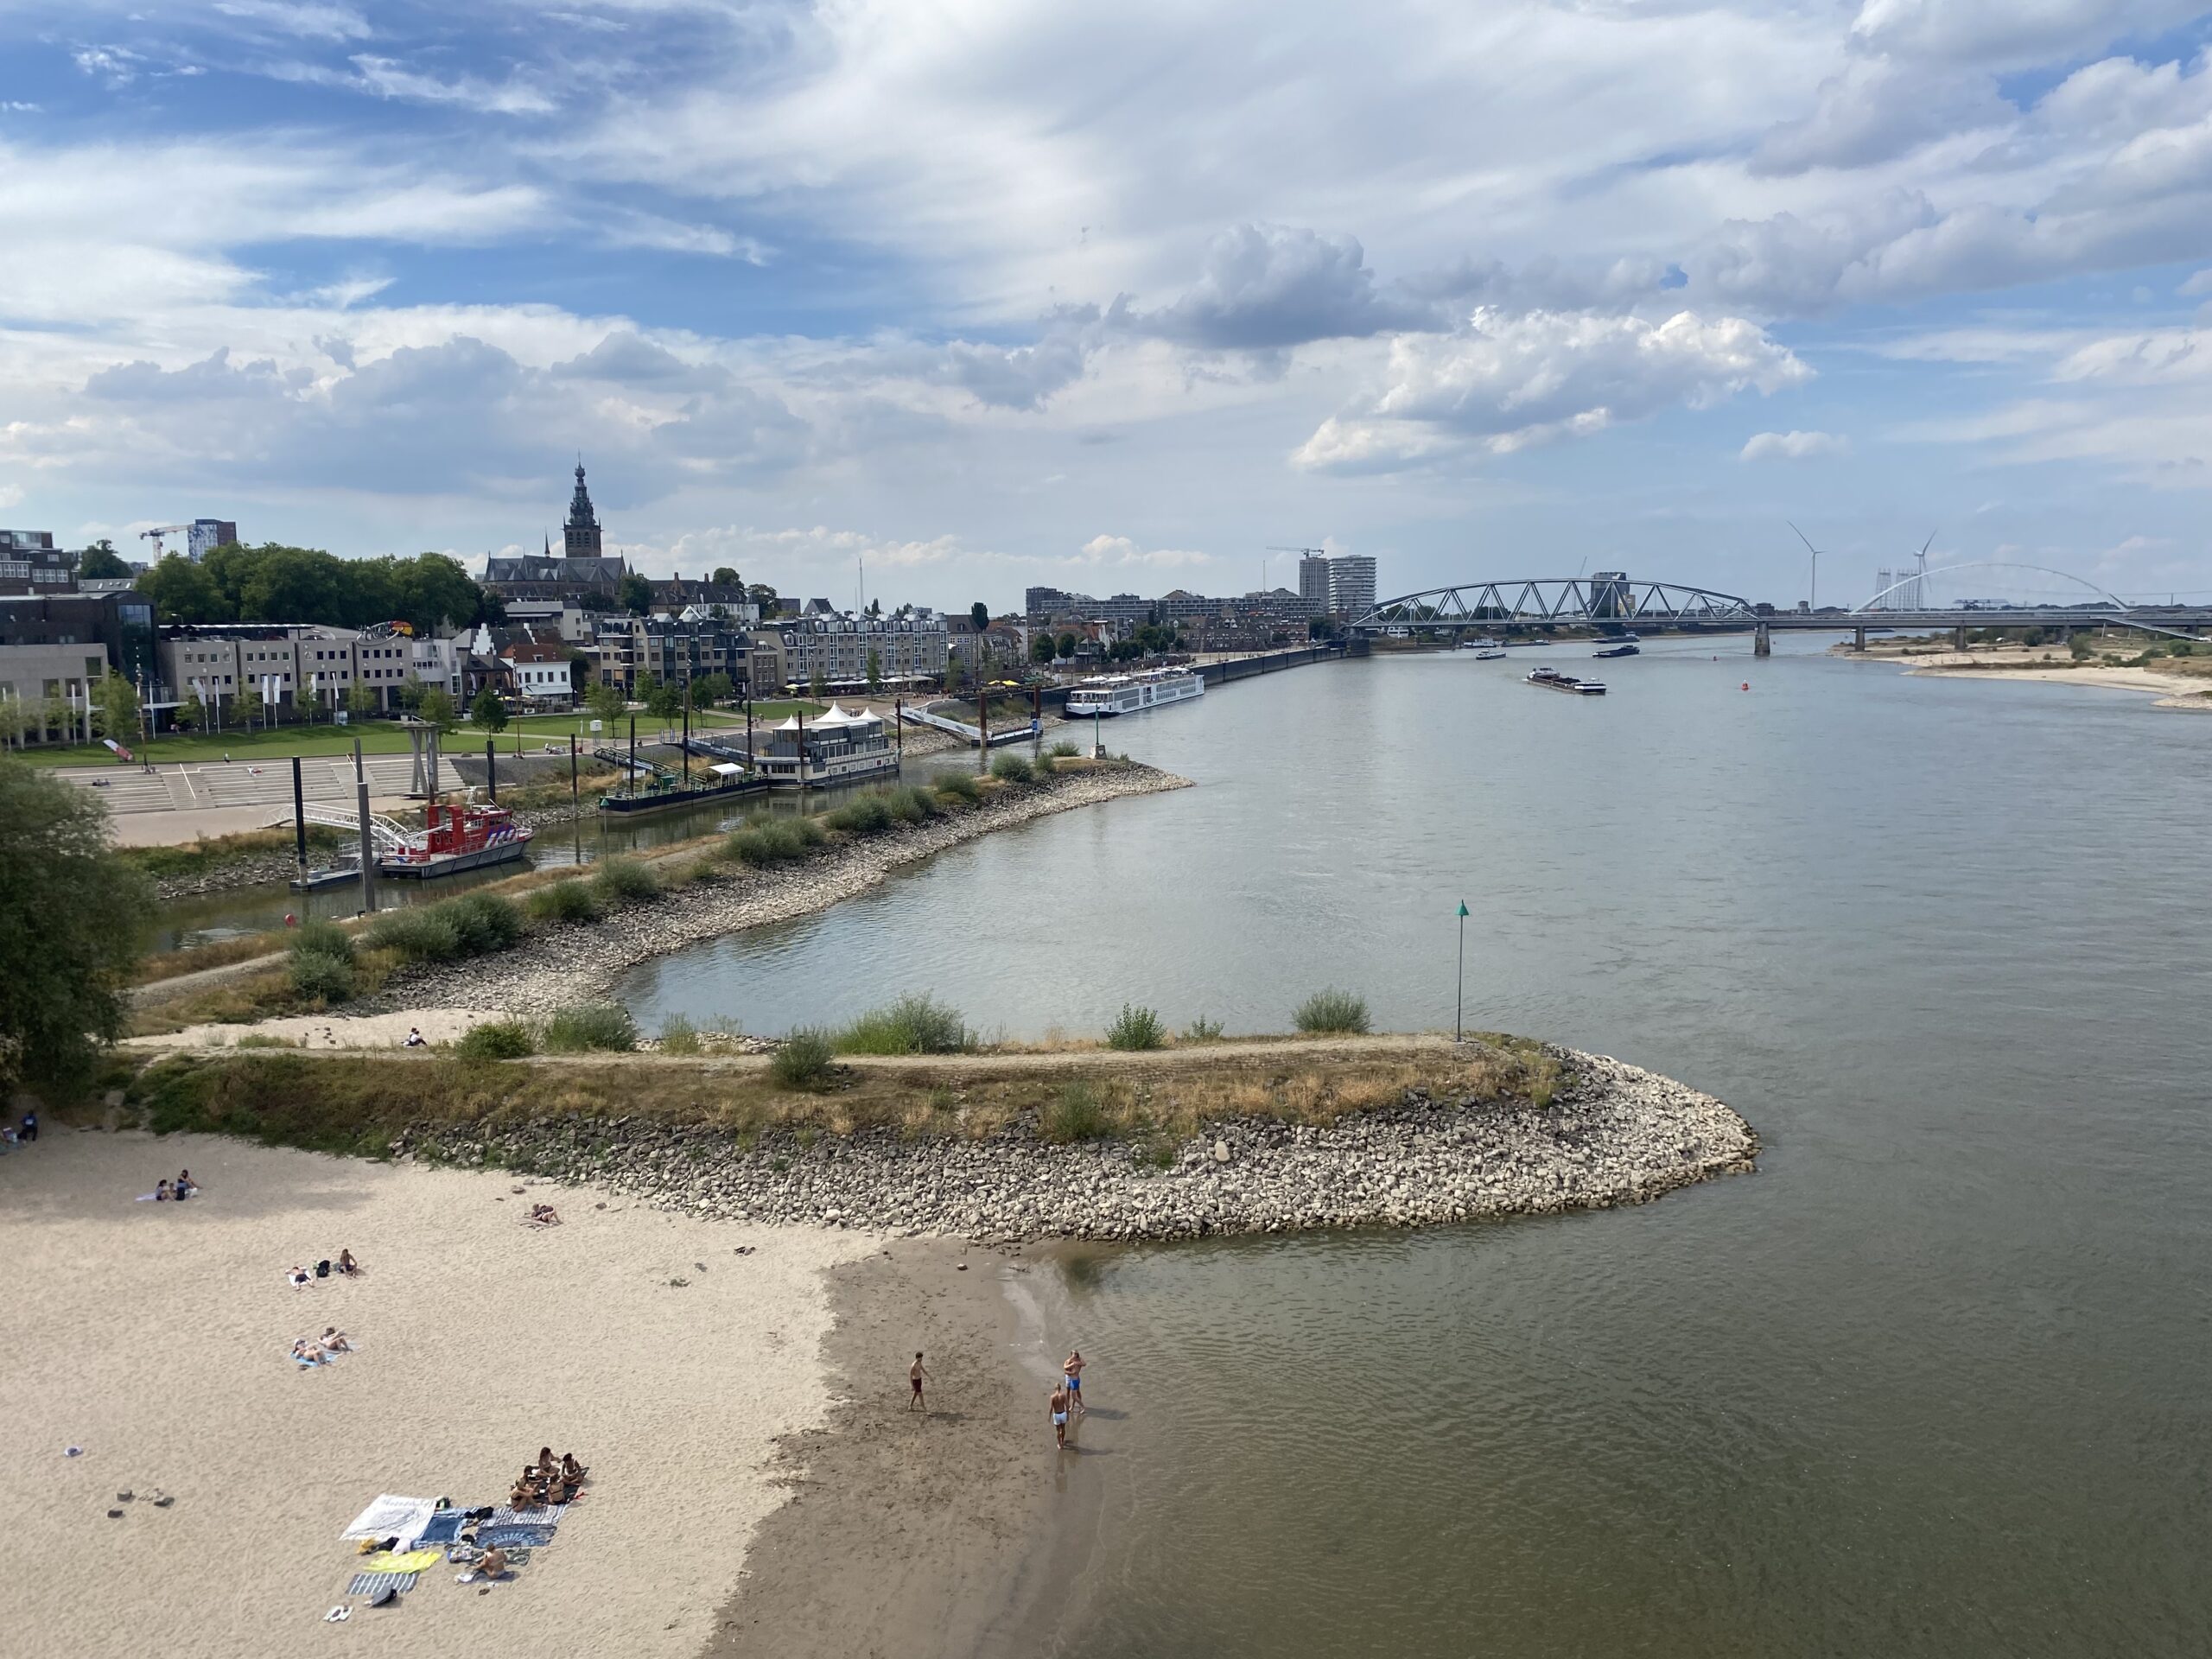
(1611, 602)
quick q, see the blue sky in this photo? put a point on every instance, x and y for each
(994, 293)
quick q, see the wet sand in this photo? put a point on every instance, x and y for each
(156, 1336)
(911, 1534)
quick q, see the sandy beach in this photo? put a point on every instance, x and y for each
(156, 1337)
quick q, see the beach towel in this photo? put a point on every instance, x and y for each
(502, 1516)
(391, 1516)
(515, 1535)
(368, 1584)
(441, 1529)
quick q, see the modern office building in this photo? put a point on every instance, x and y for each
(203, 535)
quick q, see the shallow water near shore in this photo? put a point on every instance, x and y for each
(1930, 1384)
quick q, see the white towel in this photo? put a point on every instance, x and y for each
(390, 1516)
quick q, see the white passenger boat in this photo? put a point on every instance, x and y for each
(1130, 694)
(1485, 648)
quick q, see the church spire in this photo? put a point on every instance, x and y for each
(581, 537)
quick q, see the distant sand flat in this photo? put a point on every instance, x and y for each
(156, 1336)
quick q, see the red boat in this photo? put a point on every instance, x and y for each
(456, 837)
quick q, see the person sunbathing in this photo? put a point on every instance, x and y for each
(494, 1563)
(299, 1278)
(544, 1214)
(161, 1192)
(306, 1352)
(336, 1341)
(346, 1264)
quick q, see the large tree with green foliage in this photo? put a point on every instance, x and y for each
(605, 703)
(1041, 649)
(725, 577)
(101, 563)
(874, 669)
(436, 706)
(116, 701)
(488, 713)
(180, 591)
(274, 583)
(712, 689)
(72, 920)
(634, 595)
(665, 700)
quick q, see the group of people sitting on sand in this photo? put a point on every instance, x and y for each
(548, 1481)
(300, 1278)
(316, 1351)
(181, 1189)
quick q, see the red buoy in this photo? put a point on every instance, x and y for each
(1747, 685)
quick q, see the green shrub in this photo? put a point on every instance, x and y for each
(1044, 763)
(763, 839)
(262, 1040)
(1065, 750)
(625, 882)
(1137, 1028)
(678, 1036)
(1075, 1113)
(483, 922)
(497, 1039)
(866, 814)
(915, 1024)
(1333, 1012)
(1202, 1031)
(909, 804)
(1013, 768)
(328, 979)
(323, 939)
(590, 1026)
(569, 900)
(804, 1061)
(419, 933)
(956, 786)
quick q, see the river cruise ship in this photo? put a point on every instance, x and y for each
(1129, 694)
(841, 746)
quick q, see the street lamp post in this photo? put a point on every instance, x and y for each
(1460, 1002)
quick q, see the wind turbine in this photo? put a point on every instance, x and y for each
(1813, 600)
(1920, 574)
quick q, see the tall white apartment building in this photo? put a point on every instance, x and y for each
(1352, 585)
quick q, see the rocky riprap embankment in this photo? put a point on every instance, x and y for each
(1616, 1135)
(558, 966)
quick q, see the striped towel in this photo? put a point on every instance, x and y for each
(502, 1516)
(368, 1584)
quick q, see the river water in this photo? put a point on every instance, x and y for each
(1932, 1382)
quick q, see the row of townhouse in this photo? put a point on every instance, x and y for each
(285, 668)
(845, 652)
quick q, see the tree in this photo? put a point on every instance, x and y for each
(1041, 649)
(361, 698)
(1067, 645)
(816, 684)
(761, 595)
(875, 669)
(180, 591)
(980, 614)
(605, 703)
(634, 595)
(488, 712)
(72, 919)
(410, 696)
(645, 688)
(116, 700)
(665, 700)
(724, 576)
(956, 673)
(436, 706)
(191, 713)
(712, 690)
(101, 563)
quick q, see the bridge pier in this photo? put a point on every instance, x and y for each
(1958, 639)
(1763, 642)
(1859, 638)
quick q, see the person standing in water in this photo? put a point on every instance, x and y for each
(1059, 1403)
(1072, 1371)
(915, 1374)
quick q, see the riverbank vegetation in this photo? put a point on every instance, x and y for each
(499, 915)
(367, 1104)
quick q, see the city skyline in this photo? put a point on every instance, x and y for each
(368, 279)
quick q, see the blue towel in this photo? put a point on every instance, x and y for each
(444, 1528)
(514, 1535)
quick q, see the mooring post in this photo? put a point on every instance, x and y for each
(492, 769)
(1859, 638)
(298, 819)
(1763, 642)
(368, 845)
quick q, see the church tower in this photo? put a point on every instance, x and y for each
(581, 537)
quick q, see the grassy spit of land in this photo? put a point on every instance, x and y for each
(1260, 1134)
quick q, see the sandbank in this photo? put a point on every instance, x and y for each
(156, 1337)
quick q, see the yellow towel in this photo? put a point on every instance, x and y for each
(413, 1560)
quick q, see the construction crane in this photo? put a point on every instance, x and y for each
(155, 534)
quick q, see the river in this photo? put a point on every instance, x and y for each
(1932, 1383)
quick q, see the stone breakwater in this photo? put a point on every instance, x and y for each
(558, 966)
(1616, 1136)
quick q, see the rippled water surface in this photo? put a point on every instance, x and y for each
(1934, 1382)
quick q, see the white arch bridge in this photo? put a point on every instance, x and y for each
(1612, 602)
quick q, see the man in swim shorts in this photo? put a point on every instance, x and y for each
(1059, 1403)
(915, 1373)
(1073, 1372)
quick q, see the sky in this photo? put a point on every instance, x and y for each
(935, 301)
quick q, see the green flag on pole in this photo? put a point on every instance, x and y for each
(1463, 909)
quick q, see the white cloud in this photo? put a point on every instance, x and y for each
(2199, 284)
(1794, 446)
(2009, 33)
(1120, 553)
(388, 78)
(304, 18)
(1509, 381)
(10, 494)
(1262, 287)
